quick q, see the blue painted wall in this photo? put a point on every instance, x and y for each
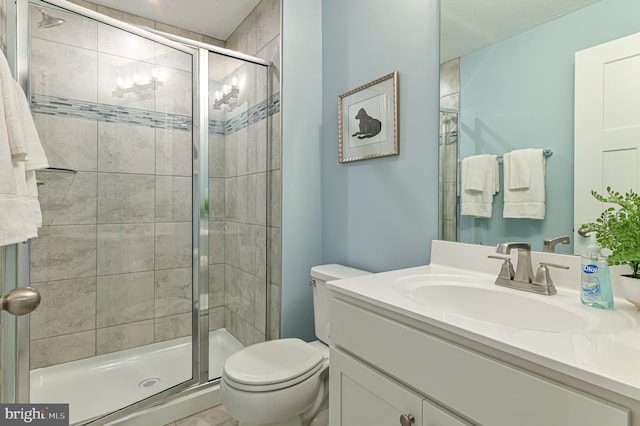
(519, 94)
(301, 97)
(381, 214)
(377, 214)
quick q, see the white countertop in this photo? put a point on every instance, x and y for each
(607, 354)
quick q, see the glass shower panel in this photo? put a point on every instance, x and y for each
(114, 258)
(448, 176)
(238, 188)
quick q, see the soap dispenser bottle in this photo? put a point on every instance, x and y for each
(595, 286)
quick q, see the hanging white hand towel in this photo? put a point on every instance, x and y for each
(20, 155)
(16, 217)
(36, 158)
(12, 228)
(524, 184)
(13, 120)
(479, 177)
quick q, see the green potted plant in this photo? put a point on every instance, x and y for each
(618, 229)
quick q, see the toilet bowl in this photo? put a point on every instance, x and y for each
(285, 382)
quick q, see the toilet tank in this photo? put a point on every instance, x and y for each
(320, 275)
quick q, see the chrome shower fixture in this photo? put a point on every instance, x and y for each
(49, 21)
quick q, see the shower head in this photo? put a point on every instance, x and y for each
(49, 21)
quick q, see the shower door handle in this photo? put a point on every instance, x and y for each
(20, 301)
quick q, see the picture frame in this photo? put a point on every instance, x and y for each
(368, 120)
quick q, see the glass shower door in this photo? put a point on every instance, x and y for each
(114, 261)
(239, 178)
(448, 176)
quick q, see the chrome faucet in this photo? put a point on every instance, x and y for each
(523, 278)
(524, 270)
(549, 244)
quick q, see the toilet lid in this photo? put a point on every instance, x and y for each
(272, 362)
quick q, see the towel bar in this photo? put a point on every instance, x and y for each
(547, 153)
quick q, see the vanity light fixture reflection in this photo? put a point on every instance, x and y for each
(228, 95)
(136, 85)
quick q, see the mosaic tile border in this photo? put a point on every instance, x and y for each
(253, 115)
(53, 105)
(63, 107)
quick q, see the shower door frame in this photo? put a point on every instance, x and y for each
(19, 13)
(203, 51)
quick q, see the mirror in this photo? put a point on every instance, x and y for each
(507, 75)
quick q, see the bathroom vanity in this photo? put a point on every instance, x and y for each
(440, 345)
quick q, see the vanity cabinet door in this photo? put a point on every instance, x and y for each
(360, 396)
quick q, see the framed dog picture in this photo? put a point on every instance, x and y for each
(368, 120)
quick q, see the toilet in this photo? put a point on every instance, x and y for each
(285, 382)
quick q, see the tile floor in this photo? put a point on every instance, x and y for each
(216, 416)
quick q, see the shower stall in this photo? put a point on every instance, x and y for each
(153, 258)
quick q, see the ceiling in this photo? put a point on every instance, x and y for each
(215, 18)
(470, 25)
(467, 25)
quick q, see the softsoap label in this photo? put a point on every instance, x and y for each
(34, 414)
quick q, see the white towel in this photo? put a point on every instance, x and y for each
(476, 172)
(480, 181)
(526, 199)
(11, 211)
(521, 163)
(13, 120)
(17, 218)
(29, 207)
(36, 158)
(20, 154)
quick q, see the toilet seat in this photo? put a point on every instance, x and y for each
(272, 365)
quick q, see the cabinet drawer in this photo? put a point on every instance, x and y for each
(482, 389)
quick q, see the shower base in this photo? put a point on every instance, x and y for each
(105, 383)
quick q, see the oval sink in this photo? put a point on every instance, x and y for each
(479, 299)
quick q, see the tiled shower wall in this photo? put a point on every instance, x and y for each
(448, 161)
(113, 259)
(247, 160)
(237, 293)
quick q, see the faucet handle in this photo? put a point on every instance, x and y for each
(554, 265)
(543, 277)
(507, 271)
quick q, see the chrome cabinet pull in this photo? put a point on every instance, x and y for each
(407, 420)
(20, 301)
